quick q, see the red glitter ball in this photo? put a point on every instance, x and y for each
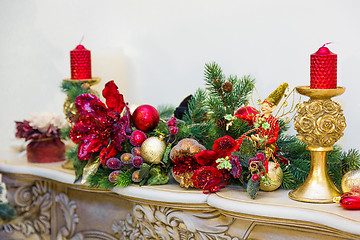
(145, 118)
(137, 138)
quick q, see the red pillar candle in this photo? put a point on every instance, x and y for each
(323, 72)
(80, 59)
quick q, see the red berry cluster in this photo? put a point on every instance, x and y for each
(172, 124)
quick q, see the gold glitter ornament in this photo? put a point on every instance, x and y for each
(275, 176)
(153, 149)
(69, 108)
(351, 181)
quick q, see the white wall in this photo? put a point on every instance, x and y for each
(155, 50)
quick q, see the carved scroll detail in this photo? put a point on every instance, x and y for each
(33, 204)
(154, 222)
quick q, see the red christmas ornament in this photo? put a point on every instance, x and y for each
(350, 200)
(80, 59)
(323, 69)
(145, 118)
(137, 138)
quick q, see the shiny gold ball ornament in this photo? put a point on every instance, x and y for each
(153, 149)
(351, 181)
(275, 177)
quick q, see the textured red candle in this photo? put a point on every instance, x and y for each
(80, 59)
(323, 72)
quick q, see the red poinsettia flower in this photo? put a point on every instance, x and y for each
(99, 128)
(224, 146)
(210, 179)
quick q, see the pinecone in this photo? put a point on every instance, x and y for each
(227, 87)
(221, 123)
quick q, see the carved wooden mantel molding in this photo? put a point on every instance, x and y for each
(50, 206)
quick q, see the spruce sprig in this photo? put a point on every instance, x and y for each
(351, 160)
(197, 108)
(222, 102)
(242, 89)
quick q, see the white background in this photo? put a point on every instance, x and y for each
(155, 50)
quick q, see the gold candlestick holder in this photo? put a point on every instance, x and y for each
(319, 123)
(70, 109)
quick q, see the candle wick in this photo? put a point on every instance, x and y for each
(327, 44)
(82, 38)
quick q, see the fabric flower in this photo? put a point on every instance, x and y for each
(99, 128)
(224, 146)
(220, 157)
(206, 157)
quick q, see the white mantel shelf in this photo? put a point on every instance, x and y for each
(232, 200)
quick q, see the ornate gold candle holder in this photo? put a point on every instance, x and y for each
(319, 123)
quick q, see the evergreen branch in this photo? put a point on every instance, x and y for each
(100, 179)
(350, 160)
(213, 76)
(216, 107)
(214, 79)
(124, 179)
(65, 132)
(165, 111)
(197, 108)
(243, 89)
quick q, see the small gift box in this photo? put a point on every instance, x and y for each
(45, 150)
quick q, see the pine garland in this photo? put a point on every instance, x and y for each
(296, 172)
(74, 89)
(124, 179)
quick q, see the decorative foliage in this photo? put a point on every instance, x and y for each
(209, 117)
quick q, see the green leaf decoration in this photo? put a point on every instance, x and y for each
(158, 176)
(167, 153)
(144, 171)
(253, 187)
